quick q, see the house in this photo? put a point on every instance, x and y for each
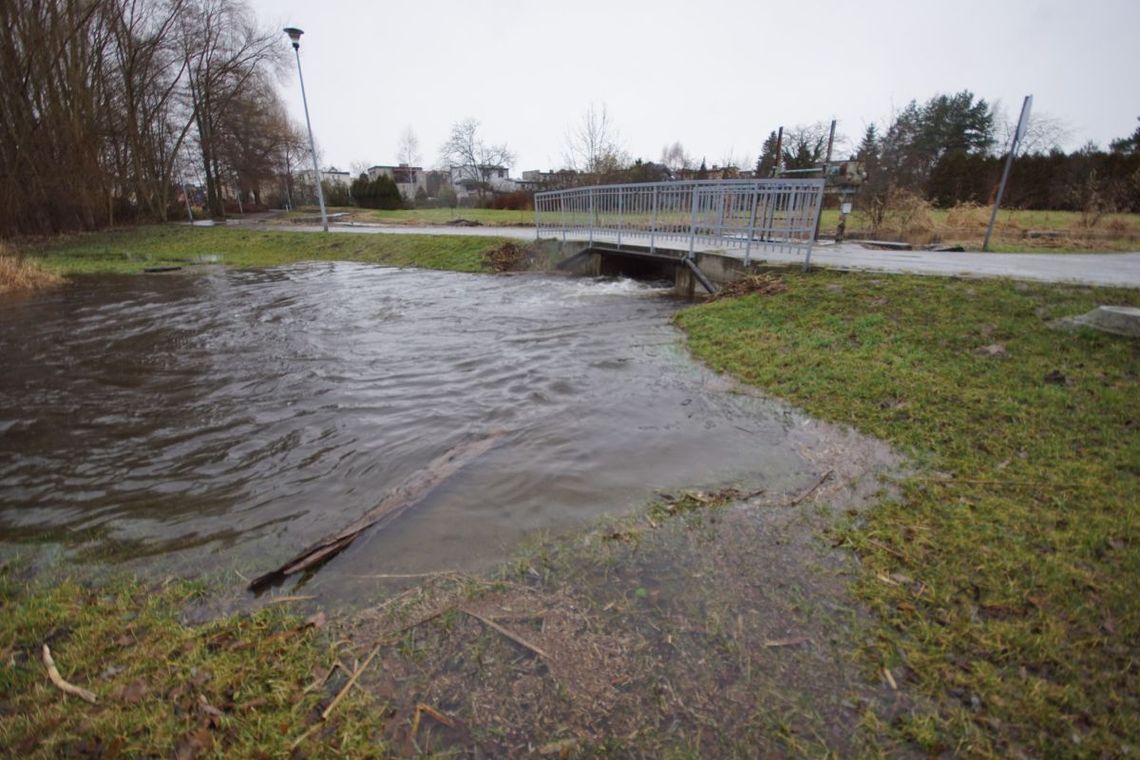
(409, 179)
(336, 177)
(331, 175)
(467, 180)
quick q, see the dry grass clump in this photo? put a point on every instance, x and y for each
(967, 217)
(511, 257)
(906, 216)
(763, 284)
(18, 274)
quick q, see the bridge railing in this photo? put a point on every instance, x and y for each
(748, 214)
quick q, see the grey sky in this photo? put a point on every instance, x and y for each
(717, 75)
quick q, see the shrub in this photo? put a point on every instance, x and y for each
(905, 215)
(519, 200)
(19, 274)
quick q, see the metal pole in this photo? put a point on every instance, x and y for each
(593, 221)
(621, 210)
(692, 221)
(653, 224)
(779, 148)
(751, 225)
(312, 143)
(1008, 165)
(826, 167)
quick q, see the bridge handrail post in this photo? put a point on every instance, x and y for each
(720, 212)
(751, 225)
(593, 218)
(653, 224)
(817, 195)
(621, 212)
(562, 216)
(692, 221)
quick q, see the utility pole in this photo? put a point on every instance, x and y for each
(779, 152)
(1022, 123)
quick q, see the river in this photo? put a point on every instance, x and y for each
(226, 419)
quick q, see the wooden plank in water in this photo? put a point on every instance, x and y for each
(396, 502)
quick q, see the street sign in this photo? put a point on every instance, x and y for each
(1023, 122)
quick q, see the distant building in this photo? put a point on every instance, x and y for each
(409, 179)
(468, 179)
(535, 179)
(331, 175)
(336, 177)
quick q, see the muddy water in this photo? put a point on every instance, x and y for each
(228, 419)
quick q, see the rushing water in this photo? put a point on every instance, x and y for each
(233, 417)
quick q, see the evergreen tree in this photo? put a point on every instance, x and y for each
(1130, 144)
(868, 151)
(766, 162)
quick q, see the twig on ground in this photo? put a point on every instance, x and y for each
(772, 643)
(351, 682)
(389, 576)
(284, 599)
(993, 482)
(421, 708)
(512, 636)
(888, 550)
(822, 479)
(62, 685)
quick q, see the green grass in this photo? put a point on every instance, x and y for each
(242, 686)
(1113, 232)
(133, 249)
(431, 216)
(1004, 579)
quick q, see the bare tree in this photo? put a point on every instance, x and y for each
(675, 159)
(408, 150)
(252, 134)
(224, 50)
(471, 158)
(1043, 134)
(593, 145)
(99, 100)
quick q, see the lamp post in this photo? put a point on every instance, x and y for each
(295, 36)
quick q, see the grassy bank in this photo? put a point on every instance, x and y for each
(488, 217)
(1004, 581)
(965, 225)
(1001, 583)
(135, 249)
(1053, 231)
(20, 275)
(242, 686)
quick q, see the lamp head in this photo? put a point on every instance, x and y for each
(295, 35)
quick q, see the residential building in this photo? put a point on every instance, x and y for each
(409, 179)
(467, 180)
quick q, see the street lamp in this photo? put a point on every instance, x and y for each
(295, 36)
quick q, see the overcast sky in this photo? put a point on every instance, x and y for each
(716, 75)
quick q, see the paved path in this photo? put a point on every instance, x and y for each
(1117, 269)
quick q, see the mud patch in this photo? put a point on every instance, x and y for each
(724, 630)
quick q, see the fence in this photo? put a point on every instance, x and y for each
(752, 214)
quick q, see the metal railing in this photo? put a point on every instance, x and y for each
(749, 214)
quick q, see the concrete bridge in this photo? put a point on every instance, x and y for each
(699, 233)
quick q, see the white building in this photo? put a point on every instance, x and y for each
(409, 179)
(331, 175)
(467, 179)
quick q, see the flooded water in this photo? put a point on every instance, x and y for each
(229, 419)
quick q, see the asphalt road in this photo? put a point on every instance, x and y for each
(1113, 269)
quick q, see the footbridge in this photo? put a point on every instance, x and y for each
(703, 231)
